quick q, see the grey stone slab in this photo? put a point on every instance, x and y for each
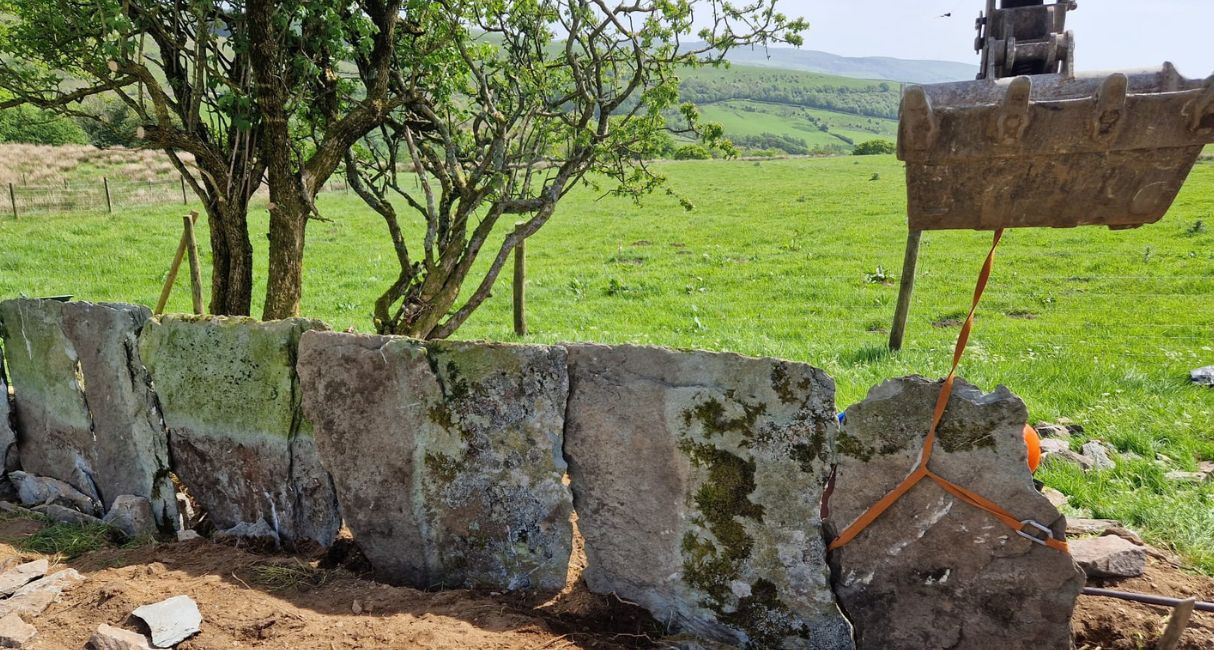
(21, 575)
(54, 427)
(171, 621)
(240, 443)
(932, 571)
(1109, 556)
(697, 479)
(446, 456)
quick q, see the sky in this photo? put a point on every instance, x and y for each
(1123, 34)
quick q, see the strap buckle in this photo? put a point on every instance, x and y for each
(1035, 527)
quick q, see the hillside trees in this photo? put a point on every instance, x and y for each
(516, 103)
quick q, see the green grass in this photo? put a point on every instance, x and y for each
(750, 118)
(68, 540)
(1095, 325)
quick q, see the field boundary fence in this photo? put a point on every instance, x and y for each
(108, 195)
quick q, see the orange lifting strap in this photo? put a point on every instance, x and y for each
(1032, 530)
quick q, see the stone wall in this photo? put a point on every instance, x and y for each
(698, 479)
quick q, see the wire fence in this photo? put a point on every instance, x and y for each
(105, 195)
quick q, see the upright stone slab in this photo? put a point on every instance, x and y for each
(240, 443)
(446, 456)
(9, 458)
(54, 429)
(130, 451)
(934, 572)
(697, 479)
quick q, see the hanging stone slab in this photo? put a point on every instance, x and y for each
(87, 412)
(240, 443)
(697, 479)
(446, 456)
(55, 431)
(933, 572)
(10, 459)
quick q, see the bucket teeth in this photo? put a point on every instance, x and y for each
(918, 120)
(1201, 118)
(1012, 118)
(1110, 107)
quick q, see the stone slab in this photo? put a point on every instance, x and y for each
(1109, 556)
(697, 479)
(15, 633)
(108, 637)
(21, 575)
(54, 428)
(933, 572)
(240, 444)
(446, 456)
(10, 458)
(171, 621)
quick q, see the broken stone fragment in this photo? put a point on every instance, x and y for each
(18, 576)
(114, 638)
(1078, 526)
(28, 604)
(1203, 376)
(171, 621)
(57, 582)
(1109, 557)
(14, 632)
(43, 490)
(62, 515)
(133, 516)
(1186, 477)
(1047, 430)
(698, 478)
(257, 534)
(1098, 454)
(446, 456)
(240, 444)
(1057, 498)
(932, 571)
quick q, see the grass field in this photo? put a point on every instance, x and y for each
(779, 259)
(744, 117)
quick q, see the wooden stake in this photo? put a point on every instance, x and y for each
(109, 207)
(12, 198)
(173, 268)
(1176, 625)
(195, 268)
(520, 282)
(909, 264)
(184, 200)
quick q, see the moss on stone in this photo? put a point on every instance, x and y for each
(767, 620)
(955, 439)
(444, 468)
(851, 446)
(783, 385)
(711, 416)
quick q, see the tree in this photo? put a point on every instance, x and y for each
(514, 104)
(255, 90)
(873, 147)
(32, 126)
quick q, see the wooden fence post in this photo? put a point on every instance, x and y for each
(173, 268)
(195, 268)
(909, 263)
(109, 207)
(1176, 625)
(184, 201)
(12, 198)
(520, 282)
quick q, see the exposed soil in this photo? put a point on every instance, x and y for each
(276, 602)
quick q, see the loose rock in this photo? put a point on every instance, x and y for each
(698, 479)
(114, 638)
(14, 632)
(1203, 376)
(1096, 452)
(57, 583)
(257, 534)
(1080, 526)
(1109, 557)
(171, 621)
(188, 535)
(1056, 431)
(133, 516)
(1065, 455)
(1185, 477)
(62, 515)
(240, 443)
(17, 577)
(1126, 534)
(933, 572)
(42, 490)
(1057, 498)
(446, 456)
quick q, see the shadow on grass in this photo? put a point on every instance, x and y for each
(868, 354)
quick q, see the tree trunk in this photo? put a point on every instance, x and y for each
(288, 222)
(232, 257)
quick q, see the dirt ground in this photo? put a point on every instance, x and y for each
(252, 600)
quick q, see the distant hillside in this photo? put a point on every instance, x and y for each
(791, 111)
(868, 67)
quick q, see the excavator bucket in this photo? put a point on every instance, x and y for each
(1030, 144)
(1051, 151)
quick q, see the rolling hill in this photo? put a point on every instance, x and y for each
(869, 67)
